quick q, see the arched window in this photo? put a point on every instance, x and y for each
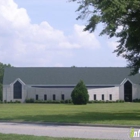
(128, 92)
(17, 90)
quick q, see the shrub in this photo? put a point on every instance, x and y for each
(38, 101)
(11, 101)
(17, 101)
(80, 94)
(102, 101)
(107, 101)
(29, 100)
(49, 101)
(62, 101)
(117, 101)
(136, 100)
(90, 102)
(95, 101)
(66, 101)
(56, 102)
(122, 101)
(70, 101)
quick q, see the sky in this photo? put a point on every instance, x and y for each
(45, 33)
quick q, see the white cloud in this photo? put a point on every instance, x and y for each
(26, 44)
(85, 39)
(10, 13)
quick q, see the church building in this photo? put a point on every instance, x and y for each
(54, 83)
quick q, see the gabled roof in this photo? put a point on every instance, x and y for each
(69, 76)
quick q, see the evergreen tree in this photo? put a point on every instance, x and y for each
(79, 94)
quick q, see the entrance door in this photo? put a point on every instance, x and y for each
(128, 92)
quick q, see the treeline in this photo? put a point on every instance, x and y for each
(2, 66)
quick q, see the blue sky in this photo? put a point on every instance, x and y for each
(45, 33)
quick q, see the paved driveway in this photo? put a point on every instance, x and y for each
(65, 131)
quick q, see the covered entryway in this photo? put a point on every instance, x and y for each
(128, 92)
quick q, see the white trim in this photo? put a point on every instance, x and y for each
(18, 79)
(125, 80)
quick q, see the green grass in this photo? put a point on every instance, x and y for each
(28, 137)
(97, 113)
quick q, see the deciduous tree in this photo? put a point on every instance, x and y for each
(121, 19)
(2, 66)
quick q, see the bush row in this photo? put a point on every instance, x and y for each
(11, 101)
(136, 100)
(107, 101)
(68, 101)
(49, 101)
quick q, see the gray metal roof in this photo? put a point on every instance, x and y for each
(69, 76)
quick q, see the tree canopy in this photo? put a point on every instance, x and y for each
(2, 66)
(121, 19)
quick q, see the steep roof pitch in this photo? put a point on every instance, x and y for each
(69, 76)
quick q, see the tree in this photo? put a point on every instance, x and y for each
(2, 66)
(121, 19)
(79, 94)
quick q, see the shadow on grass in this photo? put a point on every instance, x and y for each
(85, 117)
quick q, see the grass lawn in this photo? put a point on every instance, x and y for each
(25, 137)
(97, 113)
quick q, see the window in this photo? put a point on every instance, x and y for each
(53, 96)
(103, 97)
(128, 92)
(45, 97)
(62, 97)
(94, 96)
(36, 97)
(17, 90)
(110, 97)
